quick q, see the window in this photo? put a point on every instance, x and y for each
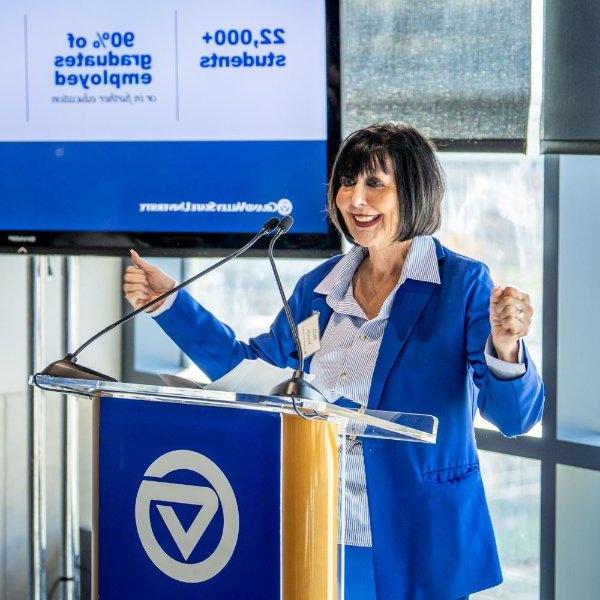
(493, 211)
(513, 488)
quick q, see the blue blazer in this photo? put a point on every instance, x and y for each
(431, 529)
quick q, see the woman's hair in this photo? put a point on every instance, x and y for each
(418, 176)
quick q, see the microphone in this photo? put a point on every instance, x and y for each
(67, 367)
(296, 386)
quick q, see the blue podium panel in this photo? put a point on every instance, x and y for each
(189, 501)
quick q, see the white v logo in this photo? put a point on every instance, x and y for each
(208, 498)
(187, 540)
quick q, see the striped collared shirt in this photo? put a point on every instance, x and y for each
(344, 364)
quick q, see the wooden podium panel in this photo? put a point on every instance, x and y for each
(310, 509)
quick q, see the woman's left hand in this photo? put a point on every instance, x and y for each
(510, 318)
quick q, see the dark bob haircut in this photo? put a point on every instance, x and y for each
(419, 178)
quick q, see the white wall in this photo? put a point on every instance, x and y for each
(100, 302)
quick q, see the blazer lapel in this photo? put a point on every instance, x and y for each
(411, 298)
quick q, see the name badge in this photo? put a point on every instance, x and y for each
(308, 332)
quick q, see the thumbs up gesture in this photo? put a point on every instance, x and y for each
(510, 317)
(143, 282)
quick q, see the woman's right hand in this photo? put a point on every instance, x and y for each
(143, 282)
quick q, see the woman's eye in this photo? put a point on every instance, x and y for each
(374, 182)
(347, 181)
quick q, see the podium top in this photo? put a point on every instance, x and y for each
(363, 424)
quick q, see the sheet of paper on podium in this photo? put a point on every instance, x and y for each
(248, 377)
(252, 377)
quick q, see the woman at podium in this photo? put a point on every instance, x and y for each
(410, 326)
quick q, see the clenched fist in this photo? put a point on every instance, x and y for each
(144, 282)
(510, 318)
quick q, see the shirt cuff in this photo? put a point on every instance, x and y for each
(166, 305)
(500, 368)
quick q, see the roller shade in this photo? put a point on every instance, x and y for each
(457, 70)
(571, 90)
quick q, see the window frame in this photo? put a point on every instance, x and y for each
(549, 449)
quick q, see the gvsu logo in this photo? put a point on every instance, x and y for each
(284, 207)
(206, 498)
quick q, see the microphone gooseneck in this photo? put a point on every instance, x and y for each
(284, 226)
(296, 386)
(68, 367)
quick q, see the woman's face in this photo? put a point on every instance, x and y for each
(369, 207)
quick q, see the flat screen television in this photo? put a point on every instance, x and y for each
(176, 127)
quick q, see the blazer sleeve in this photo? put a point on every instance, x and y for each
(213, 346)
(513, 405)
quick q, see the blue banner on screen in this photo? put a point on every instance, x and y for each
(180, 116)
(189, 502)
(231, 187)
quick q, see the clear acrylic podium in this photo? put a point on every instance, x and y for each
(299, 509)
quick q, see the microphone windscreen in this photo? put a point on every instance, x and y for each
(270, 225)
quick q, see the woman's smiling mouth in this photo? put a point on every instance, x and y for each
(364, 221)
